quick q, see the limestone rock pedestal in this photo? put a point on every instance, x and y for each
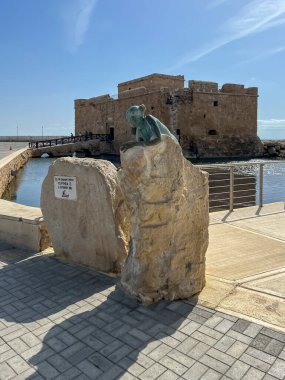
(90, 225)
(168, 200)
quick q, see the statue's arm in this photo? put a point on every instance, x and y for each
(155, 130)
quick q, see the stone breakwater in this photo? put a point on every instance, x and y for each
(10, 165)
(274, 148)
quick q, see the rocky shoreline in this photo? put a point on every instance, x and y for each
(274, 148)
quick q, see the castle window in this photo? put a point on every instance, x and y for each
(212, 132)
(134, 131)
(215, 103)
(204, 116)
(112, 133)
(178, 132)
(152, 108)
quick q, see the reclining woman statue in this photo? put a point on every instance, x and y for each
(148, 128)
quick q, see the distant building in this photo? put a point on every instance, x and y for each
(209, 122)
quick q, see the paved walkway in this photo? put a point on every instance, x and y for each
(5, 148)
(63, 321)
(246, 264)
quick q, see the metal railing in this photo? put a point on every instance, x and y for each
(70, 140)
(239, 185)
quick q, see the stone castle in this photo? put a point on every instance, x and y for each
(208, 121)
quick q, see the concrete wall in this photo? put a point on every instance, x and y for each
(210, 122)
(23, 227)
(10, 165)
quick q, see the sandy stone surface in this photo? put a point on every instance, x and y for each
(168, 200)
(93, 229)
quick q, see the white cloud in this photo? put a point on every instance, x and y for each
(264, 54)
(256, 16)
(77, 18)
(271, 123)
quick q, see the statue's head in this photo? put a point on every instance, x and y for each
(135, 113)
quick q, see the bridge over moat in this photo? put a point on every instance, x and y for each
(83, 146)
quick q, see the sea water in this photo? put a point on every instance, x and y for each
(26, 187)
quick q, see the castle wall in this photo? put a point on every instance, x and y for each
(209, 122)
(153, 82)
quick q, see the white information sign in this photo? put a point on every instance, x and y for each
(65, 187)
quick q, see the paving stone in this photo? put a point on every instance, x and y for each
(151, 346)
(273, 334)
(25, 375)
(204, 338)
(282, 355)
(159, 352)
(190, 328)
(168, 375)
(59, 363)
(254, 362)
(224, 326)
(237, 370)
(89, 369)
(127, 376)
(169, 340)
(141, 359)
(252, 330)
(237, 349)
(47, 371)
(274, 347)
(198, 351)
(210, 332)
(221, 356)
(195, 372)
(214, 364)
(18, 345)
(153, 372)
(211, 375)
(278, 369)
(181, 358)
(238, 336)
(240, 325)
(269, 377)
(6, 372)
(213, 321)
(30, 339)
(226, 316)
(261, 342)
(119, 354)
(131, 366)
(253, 374)
(70, 374)
(18, 364)
(187, 345)
(173, 365)
(260, 355)
(224, 343)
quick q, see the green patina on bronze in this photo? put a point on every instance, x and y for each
(148, 128)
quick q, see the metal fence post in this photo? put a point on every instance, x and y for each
(261, 185)
(231, 188)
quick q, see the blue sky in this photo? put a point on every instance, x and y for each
(55, 51)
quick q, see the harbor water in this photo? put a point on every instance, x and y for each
(26, 187)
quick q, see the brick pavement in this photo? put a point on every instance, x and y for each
(63, 321)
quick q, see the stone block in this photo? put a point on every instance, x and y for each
(91, 226)
(23, 227)
(168, 200)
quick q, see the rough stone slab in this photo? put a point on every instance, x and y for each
(168, 200)
(92, 229)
